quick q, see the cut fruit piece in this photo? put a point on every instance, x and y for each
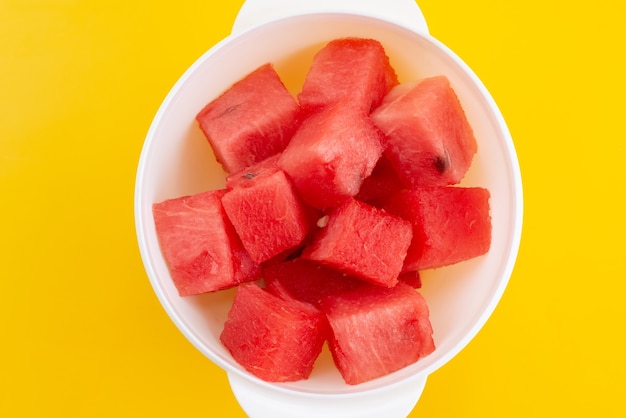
(450, 224)
(376, 331)
(238, 125)
(429, 139)
(267, 214)
(200, 246)
(362, 241)
(306, 280)
(275, 339)
(351, 68)
(330, 155)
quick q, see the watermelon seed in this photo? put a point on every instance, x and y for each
(322, 222)
(227, 111)
(442, 163)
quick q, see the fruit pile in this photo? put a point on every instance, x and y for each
(334, 202)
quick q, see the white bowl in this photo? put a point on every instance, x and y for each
(176, 160)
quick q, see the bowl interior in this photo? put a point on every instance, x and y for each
(177, 160)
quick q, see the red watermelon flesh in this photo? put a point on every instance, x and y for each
(330, 155)
(306, 280)
(275, 339)
(383, 181)
(429, 139)
(450, 224)
(252, 173)
(411, 278)
(267, 214)
(239, 126)
(256, 173)
(353, 68)
(362, 241)
(376, 331)
(200, 246)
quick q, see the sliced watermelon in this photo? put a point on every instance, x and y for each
(450, 224)
(267, 214)
(362, 241)
(429, 139)
(306, 280)
(330, 155)
(238, 125)
(200, 246)
(383, 181)
(351, 68)
(275, 339)
(337, 203)
(376, 331)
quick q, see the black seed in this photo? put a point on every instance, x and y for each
(227, 111)
(440, 165)
(249, 175)
(442, 162)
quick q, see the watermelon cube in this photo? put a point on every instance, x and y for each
(350, 68)
(200, 246)
(275, 339)
(429, 139)
(330, 155)
(267, 214)
(238, 125)
(375, 331)
(306, 280)
(450, 224)
(362, 241)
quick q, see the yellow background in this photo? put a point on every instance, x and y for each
(81, 332)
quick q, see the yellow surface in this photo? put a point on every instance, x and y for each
(81, 332)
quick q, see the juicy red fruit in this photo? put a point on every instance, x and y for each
(376, 331)
(335, 205)
(267, 214)
(200, 246)
(306, 280)
(450, 224)
(429, 140)
(238, 125)
(362, 241)
(383, 181)
(275, 339)
(355, 69)
(331, 154)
